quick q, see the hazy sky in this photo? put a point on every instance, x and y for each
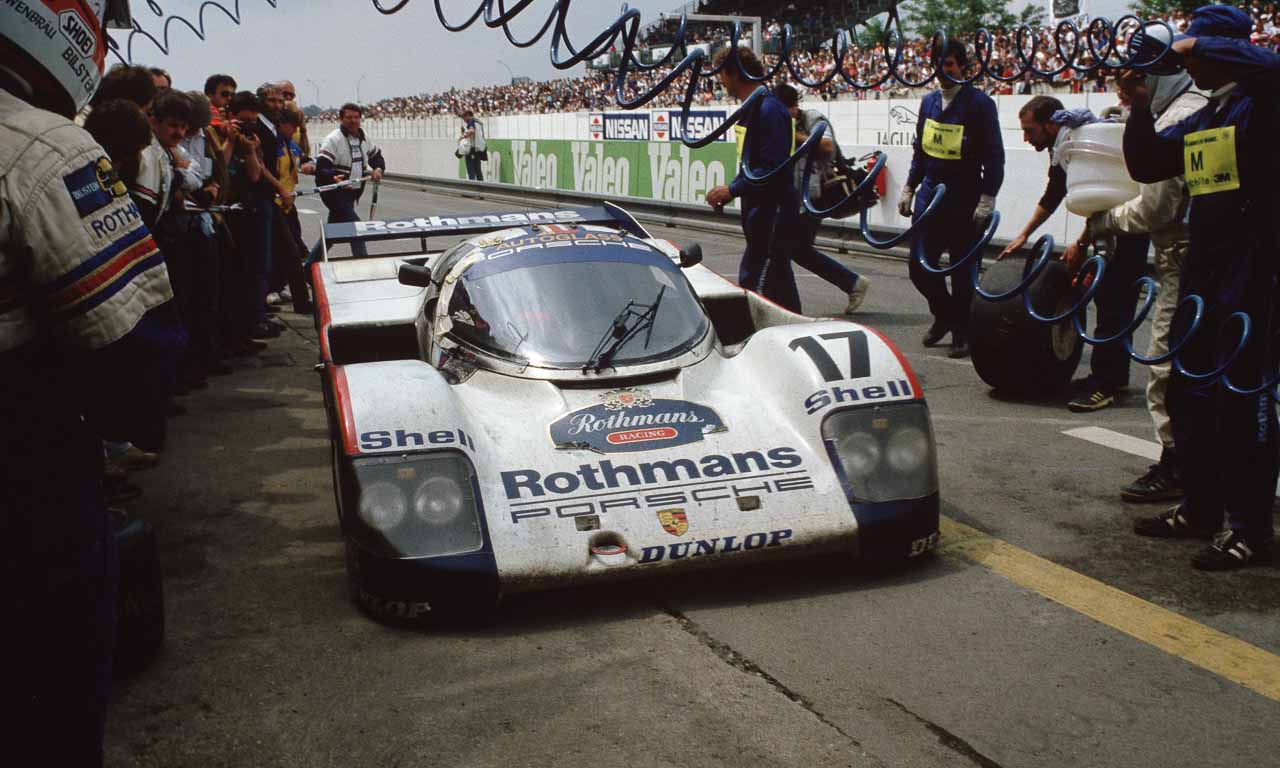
(334, 42)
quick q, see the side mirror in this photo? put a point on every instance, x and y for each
(412, 274)
(690, 255)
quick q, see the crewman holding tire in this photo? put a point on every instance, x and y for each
(83, 293)
(1045, 126)
(1227, 446)
(958, 143)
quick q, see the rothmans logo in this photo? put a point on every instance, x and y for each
(632, 420)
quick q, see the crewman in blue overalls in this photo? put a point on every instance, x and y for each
(767, 138)
(1226, 152)
(958, 143)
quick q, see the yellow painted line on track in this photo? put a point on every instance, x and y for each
(1207, 648)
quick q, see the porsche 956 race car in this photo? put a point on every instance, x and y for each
(560, 398)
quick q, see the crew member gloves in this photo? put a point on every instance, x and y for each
(907, 202)
(986, 206)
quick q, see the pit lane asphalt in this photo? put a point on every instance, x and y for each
(957, 660)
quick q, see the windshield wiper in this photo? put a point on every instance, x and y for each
(630, 321)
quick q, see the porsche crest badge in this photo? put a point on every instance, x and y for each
(674, 521)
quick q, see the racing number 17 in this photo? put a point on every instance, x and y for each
(859, 357)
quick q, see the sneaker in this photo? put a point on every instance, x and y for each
(1092, 399)
(273, 298)
(1229, 551)
(959, 348)
(857, 295)
(134, 459)
(1160, 483)
(935, 333)
(286, 296)
(1171, 525)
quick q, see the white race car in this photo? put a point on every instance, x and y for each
(561, 398)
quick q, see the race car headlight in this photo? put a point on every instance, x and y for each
(885, 452)
(420, 505)
(382, 506)
(439, 501)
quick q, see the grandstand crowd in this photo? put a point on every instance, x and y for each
(813, 28)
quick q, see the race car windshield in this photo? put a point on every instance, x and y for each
(551, 314)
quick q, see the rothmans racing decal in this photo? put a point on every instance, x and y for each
(630, 420)
(604, 486)
(429, 223)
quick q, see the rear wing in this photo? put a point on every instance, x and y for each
(468, 224)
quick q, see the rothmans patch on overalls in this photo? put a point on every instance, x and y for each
(94, 186)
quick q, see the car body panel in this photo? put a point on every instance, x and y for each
(613, 473)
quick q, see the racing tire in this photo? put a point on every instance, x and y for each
(1014, 353)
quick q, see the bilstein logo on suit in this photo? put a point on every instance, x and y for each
(631, 420)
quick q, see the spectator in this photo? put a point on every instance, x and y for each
(347, 153)
(161, 78)
(473, 133)
(255, 189)
(124, 82)
(123, 131)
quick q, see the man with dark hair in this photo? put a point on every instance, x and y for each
(153, 190)
(1118, 294)
(347, 153)
(255, 188)
(161, 78)
(125, 82)
(219, 89)
(1041, 133)
(123, 131)
(473, 132)
(806, 226)
(764, 143)
(958, 143)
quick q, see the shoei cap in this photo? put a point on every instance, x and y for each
(1218, 21)
(64, 38)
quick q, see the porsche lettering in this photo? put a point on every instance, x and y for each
(697, 495)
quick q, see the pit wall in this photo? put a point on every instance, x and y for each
(615, 153)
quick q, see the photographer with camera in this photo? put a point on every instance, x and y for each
(251, 229)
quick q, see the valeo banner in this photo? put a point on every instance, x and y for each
(662, 170)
